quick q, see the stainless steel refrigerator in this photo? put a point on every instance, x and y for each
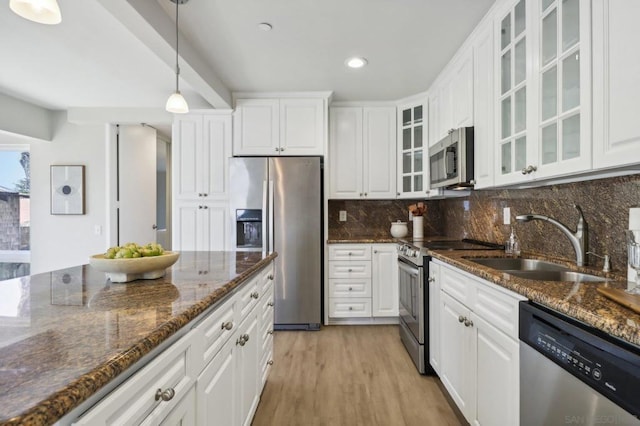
(276, 205)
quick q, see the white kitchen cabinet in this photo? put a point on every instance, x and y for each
(247, 369)
(363, 281)
(218, 389)
(384, 280)
(184, 414)
(200, 226)
(412, 153)
(479, 349)
(434, 316)
(151, 394)
(451, 97)
(293, 126)
(483, 107)
(201, 147)
(362, 149)
(616, 83)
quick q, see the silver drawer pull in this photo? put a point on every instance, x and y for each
(242, 340)
(270, 362)
(270, 277)
(432, 279)
(350, 288)
(255, 295)
(270, 332)
(350, 270)
(351, 308)
(349, 253)
(468, 323)
(270, 304)
(461, 318)
(227, 325)
(166, 395)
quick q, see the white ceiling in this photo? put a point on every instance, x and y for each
(119, 53)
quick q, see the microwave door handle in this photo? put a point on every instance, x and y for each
(448, 152)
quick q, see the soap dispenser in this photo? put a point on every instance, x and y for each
(512, 246)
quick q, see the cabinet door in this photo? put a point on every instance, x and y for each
(256, 127)
(457, 362)
(483, 108)
(462, 91)
(186, 226)
(516, 146)
(217, 388)
(186, 157)
(434, 316)
(379, 151)
(247, 368)
(412, 153)
(497, 376)
(434, 119)
(384, 281)
(445, 115)
(616, 83)
(184, 414)
(302, 127)
(563, 75)
(214, 156)
(213, 227)
(345, 152)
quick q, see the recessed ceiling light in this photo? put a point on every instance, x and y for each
(265, 26)
(356, 62)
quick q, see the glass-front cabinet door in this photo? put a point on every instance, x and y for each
(412, 150)
(563, 74)
(513, 89)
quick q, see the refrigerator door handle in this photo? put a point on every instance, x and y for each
(271, 216)
(265, 216)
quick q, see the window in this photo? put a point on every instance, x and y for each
(15, 190)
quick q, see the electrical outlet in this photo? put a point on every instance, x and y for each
(97, 229)
(506, 215)
(343, 216)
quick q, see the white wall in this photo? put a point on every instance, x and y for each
(59, 241)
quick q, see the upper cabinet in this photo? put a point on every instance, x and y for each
(200, 148)
(543, 97)
(362, 152)
(483, 106)
(412, 155)
(451, 97)
(616, 83)
(269, 126)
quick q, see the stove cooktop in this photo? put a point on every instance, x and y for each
(464, 244)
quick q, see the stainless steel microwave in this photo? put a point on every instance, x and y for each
(451, 160)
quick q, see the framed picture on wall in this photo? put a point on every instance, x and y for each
(67, 189)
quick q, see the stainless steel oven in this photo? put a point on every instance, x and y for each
(413, 274)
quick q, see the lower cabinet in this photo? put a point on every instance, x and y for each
(363, 281)
(200, 226)
(434, 316)
(479, 350)
(213, 375)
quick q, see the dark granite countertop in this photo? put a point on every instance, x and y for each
(578, 300)
(67, 333)
(364, 240)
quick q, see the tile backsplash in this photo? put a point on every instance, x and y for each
(605, 203)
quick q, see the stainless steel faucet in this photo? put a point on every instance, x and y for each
(579, 239)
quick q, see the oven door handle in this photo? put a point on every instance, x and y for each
(413, 270)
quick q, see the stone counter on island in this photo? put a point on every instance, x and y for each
(66, 335)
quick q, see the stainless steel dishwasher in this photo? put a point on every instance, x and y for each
(571, 373)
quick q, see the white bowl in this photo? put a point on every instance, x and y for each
(140, 268)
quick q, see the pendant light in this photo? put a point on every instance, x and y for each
(40, 11)
(176, 102)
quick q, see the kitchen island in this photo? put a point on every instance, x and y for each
(68, 335)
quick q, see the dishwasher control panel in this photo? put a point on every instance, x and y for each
(604, 364)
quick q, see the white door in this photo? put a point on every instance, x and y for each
(137, 184)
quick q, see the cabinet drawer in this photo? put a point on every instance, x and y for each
(134, 401)
(349, 308)
(457, 285)
(266, 310)
(266, 362)
(346, 269)
(497, 308)
(349, 252)
(217, 328)
(350, 287)
(247, 298)
(265, 278)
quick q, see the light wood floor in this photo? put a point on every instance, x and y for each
(348, 375)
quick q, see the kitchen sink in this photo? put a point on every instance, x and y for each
(535, 269)
(518, 264)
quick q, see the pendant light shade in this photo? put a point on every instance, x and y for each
(40, 11)
(176, 102)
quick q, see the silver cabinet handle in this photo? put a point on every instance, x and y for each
(242, 340)
(350, 253)
(277, 149)
(227, 325)
(281, 149)
(270, 277)
(468, 323)
(397, 194)
(206, 207)
(199, 207)
(165, 395)
(461, 318)
(351, 308)
(350, 288)
(350, 270)
(365, 194)
(270, 362)
(375, 252)
(270, 304)
(270, 332)
(199, 195)
(529, 169)
(205, 194)
(255, 295)
(432, 279)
